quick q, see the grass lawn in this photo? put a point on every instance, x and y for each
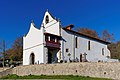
(70, 77)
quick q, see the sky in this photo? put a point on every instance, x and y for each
(99, 15)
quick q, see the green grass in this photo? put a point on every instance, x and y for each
(70, 77)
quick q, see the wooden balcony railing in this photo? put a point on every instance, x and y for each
(52, 44)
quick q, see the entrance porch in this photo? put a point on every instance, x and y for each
(52, 55)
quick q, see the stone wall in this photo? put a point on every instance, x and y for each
(102, 70)
(6, 72)
(1, 68)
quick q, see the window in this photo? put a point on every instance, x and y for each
(55, 39)
(46, 38)
(52, 38)
(103, 51)
(76, 42)
(46, 19)
(67, 50)
(88, 45)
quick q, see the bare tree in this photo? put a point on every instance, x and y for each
(107, 36)
(115, 50)
(16, 51)
(88, 32)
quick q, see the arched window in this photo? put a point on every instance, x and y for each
(32, 58)
(47, 19)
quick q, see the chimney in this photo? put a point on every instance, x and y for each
(69, 27)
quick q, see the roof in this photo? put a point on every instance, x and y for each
(52, 35)
(102, 41)
(71, 26)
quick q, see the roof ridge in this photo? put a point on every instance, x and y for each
(98, 39)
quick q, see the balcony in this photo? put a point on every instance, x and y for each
(52, 40)
(52, 44)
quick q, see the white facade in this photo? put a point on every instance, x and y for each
(52, 43)
(94, 54)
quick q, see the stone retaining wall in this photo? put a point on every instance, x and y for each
(102, 70)
(1, 68)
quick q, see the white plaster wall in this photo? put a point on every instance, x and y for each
(53, 25)
(34, 37)
(94, 54)
(33, 43)
(53, 28)
(67, 44)
(38, 52)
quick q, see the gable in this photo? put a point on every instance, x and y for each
(51, 25)
(33, 37)
(32, 30)
(48, 18)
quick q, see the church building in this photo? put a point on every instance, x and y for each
(52, 43)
